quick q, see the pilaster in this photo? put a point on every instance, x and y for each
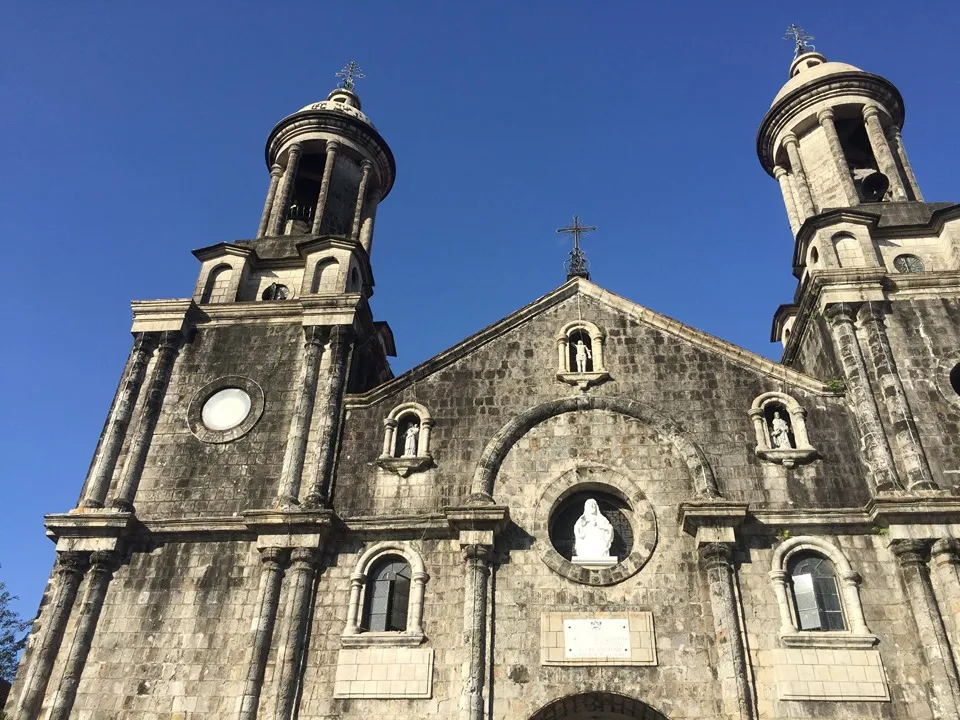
(278, 215)
(800, 184)
(275, 173)
(881, 151)
(783, 178)
(303, 572)
(333, 148)
(944, 687)
(825, 118)
(476, 557)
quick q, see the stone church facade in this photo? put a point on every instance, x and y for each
(585, 510)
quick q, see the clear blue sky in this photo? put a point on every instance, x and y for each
(132, 133)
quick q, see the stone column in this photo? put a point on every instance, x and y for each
(143, 435)
(98, 482)
(896, 144)
(367, 167)
(356, 586)
(303, 573)
(878, 455)
(333, 147)
(281, 203)
(477, 563)
(905, 432)
(825, 117)
(369, 217)
(275, 172)
(341, 342)
(783, 177)
(804, 198)
(717, 559)
(67, 573)
(946, 564)
(288, 494)
(102, 566)
(881, 151)
(944, 688)
(268, 598)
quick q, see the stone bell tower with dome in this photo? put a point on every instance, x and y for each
(587, 510)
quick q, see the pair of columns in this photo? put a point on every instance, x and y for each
(847, 324)
(280, 192)
(796, 188)
(937, 618)
(167, 346)
(70, 569)
(330, 397)
(301, 566)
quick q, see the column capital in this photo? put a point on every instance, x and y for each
(910, 552)
(825, 115)
(871, 311)
(144, 341)
(790, 139)
(366, 166)
(316, 335)
(946, 551)
(106, 561)
(333, 146)
(295, 149)
(892, 132)
(840, 313)
(71, 563)
(276, 170)
(870, 110)
(170, 339)
(274, 558)
(779, 171)
(305, 558)
(479, 553)
(716, 555)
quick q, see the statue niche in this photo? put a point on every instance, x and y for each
(778, 425)
(581, 353)
(592, 537)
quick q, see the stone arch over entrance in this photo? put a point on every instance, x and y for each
(499, 445)
(597, 706)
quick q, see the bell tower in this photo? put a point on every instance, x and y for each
(878, 268)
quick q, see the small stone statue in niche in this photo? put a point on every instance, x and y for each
(410, 441)
(593, 535)
(582, 355)
(780, 432)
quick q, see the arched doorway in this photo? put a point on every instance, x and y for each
(597, 706)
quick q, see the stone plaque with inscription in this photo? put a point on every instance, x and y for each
(600, 638)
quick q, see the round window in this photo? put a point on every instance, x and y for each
(908, 264)
(225, 409)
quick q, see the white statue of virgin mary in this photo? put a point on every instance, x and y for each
(593, 535)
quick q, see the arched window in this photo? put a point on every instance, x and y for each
(816, 596)
(387, 595)
(580, 354)
(849, 252)
(354, 280)
(781, 431)
(218, 285)
(325, 277)
(406, 439)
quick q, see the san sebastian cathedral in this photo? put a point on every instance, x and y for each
(527, 526)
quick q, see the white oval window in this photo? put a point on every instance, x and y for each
(225, 409)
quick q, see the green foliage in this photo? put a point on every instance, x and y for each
(837, 385)
(879, 530)
(783, 535)
(12, 636)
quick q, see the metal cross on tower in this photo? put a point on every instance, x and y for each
(800, 37)
(576, 264)
(350, 74)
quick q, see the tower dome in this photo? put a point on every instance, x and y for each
(832, 138)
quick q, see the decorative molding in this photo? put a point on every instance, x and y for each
(583, 380)
(828, 639)
(195, 409)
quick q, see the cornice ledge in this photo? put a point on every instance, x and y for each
(711, 513)
(926, 507)
(224, 248)
(289, 520)
(478, 517)
(433, 524)
(161, 315)
(767, 519)
(321, 242)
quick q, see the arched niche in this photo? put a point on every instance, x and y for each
(499, 445)
(580, 354)
(789, 444)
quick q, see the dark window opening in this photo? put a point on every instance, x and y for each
(580, 346)
(387, 595)
(816, 597)
(611, 507)
(275, 291)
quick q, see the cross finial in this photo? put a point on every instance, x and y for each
(350, 74)
(577, 265)
(800, 37)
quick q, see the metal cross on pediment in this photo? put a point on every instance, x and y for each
(350, 74)
(799, 37)
(576, 264)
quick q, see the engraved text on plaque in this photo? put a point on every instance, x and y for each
(596, 638)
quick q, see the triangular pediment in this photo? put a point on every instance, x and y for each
(697, 338)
